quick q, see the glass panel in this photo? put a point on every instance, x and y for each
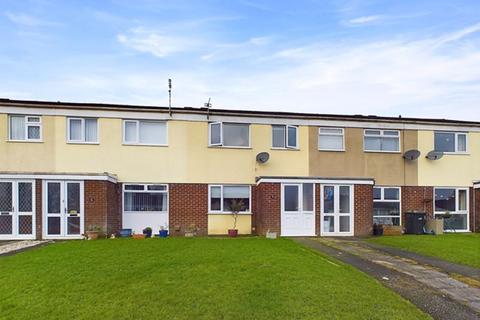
(291, 198)
(53, 225)
(215, 198)
(383, 208)
(144, 201)
(73, 225)
(33, 132)
(328, 199)
(394, 221)
(292, 137)
(215, 135)
(330, 142)
(235, 135)
(390, 133)
(444, 141)
(373, 143)
(33, 119)
(331, 131)
(73, 198)
(377, 193)
(17, 127)
(53, 201)
(462, 200)
(75, 129)
(6, 226)
(236, 193)
(157, 187)
(6, 197)
(390, 144)
(372, 132)
(445, 200)
(308, 197)
(391, 194)
(344, 199)
(462, 142)
(153, 132)
(278, 136)
(328, 224)
(134, 187)
(91, 128)
(344, 224)
(130, 132)
(25, 224)
(456, 222)
(24, 197)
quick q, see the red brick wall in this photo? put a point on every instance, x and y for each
(363, 215)
(268, 208)
(188, 204)
(417, 198)
(102, 206)
(38, 209)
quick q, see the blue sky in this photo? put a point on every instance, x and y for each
(414, 58)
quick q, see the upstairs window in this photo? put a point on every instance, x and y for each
(381, 140)
(145, 132)
(25, 128)
(331, 139)
(454, 142)
(229, 134)
(82, 130)
(386, 205)
(284, 136)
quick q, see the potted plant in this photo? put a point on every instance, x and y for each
(138, 235)
(163, 233)
(147, 232)
(235, 207)
(191, 230)
(93, 232)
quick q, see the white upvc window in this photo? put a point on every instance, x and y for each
(456, 202)
(451, 142)
(144, 198)
(381, 140)
(228, 134)
(284, 136)
(331, 139)
(145, 132)
(221, 196)
(82, 130)
(25, 128)
(387, 206)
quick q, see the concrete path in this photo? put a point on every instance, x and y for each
(11, 247)
(432, 291)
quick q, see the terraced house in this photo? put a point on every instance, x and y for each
(66, 166)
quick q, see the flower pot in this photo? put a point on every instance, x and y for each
(147, 233)
(125, 233)
(163, 233)
(92, 235)
(138, 236)
(232, 233)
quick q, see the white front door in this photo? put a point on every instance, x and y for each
(337, 210)
(17, 203)
(64, 209)
(297, 209)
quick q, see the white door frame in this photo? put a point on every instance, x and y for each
(336, 214)
(15, 213)
(63, 215)
(300, 210)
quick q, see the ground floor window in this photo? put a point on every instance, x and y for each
(221, 197)
(386, 205)
(145, 198)
(453, 202)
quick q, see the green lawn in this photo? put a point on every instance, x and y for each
(199, 278)
(462, 248)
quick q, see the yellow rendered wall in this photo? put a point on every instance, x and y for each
(220, 223)
(187, 159)
(452, 169)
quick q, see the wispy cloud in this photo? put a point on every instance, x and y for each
(365, 19)
(27, 20)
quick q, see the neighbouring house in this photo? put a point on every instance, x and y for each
(67, 166)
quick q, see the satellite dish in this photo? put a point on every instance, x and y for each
(411, 154)
(263, 157)
(434, 155)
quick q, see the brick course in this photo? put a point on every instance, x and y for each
(188, 204)
(102, 205)
(363, 215)
(418, 199)
(268, 208)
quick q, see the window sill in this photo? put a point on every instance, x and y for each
(144, 145)
(456, 153)
(26, 141)
(87, 143)
(229, 147)
(284, 149)
(379, 151)
(331, 150)
(229, 213)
